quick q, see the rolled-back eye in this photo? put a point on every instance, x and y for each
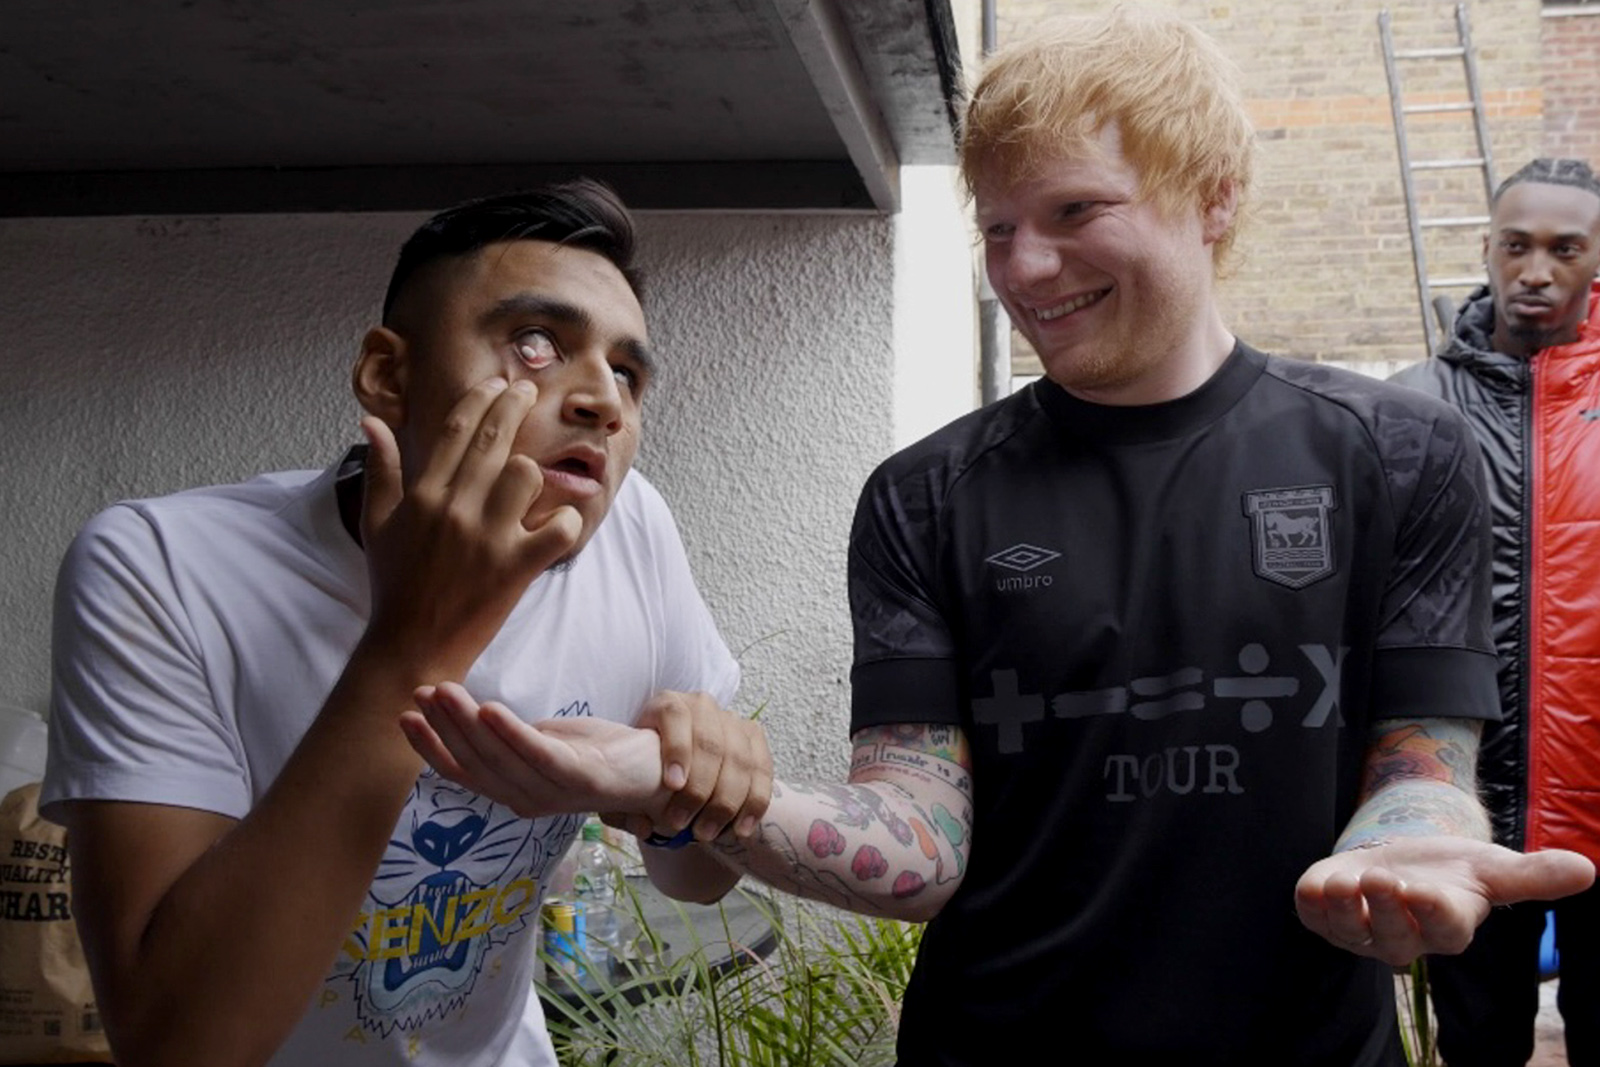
(536, 349)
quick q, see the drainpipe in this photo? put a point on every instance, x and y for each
(994, 329)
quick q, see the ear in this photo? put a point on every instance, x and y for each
(379, 376)
(1486, 250)
(1219, 212)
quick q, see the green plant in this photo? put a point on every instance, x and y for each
(828, 995)
(1416, 1020)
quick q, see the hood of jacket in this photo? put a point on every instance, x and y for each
(1471, 341)
(1470, 345)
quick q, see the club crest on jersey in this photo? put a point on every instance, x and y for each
(1291, 538)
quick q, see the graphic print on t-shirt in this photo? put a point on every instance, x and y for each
(1181, 717)
(462, 875)
(1258, 698)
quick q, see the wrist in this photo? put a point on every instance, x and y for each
(671, 843)
(388, 653)
(622, 775)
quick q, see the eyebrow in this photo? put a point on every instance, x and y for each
(1569, 235)
(532, 305)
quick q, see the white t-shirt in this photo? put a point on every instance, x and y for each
(197, 636)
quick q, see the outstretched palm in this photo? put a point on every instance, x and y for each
(1419, 895)
(550, 767)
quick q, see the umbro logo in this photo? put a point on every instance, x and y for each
(1589, 415)
(1022, 558)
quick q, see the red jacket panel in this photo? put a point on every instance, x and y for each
(1564, 652)
(1537, 422)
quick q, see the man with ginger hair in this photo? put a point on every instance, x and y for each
(1174, 644)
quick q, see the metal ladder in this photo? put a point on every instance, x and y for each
(1437, 307)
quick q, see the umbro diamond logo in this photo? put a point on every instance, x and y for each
(1022, 557)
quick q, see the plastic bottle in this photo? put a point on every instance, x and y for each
(594, 886)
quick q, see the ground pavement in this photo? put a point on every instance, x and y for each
(1549, 1049)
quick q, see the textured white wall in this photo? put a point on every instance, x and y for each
(935, 304)
(775, 403)
(139, 356)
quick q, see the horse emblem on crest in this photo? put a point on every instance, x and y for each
(1292, 540)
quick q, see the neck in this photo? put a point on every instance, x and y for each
(1189, 366)
(1525, 345)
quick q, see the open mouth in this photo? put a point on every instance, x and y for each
(575, 466)
(580, 471)
(1075, 304)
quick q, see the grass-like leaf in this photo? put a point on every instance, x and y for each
(827, 995)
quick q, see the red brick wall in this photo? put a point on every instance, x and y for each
(1572, 85)
(1326, 266)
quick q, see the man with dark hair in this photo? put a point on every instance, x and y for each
(1523, 366)
(262, 869)
(1169, 668)
(580, 214)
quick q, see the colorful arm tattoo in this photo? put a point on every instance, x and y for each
(1420, 779)
(899, 833)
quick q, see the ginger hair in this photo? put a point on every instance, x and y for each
(1171, 93)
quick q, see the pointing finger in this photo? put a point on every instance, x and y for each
(457, 434)
(488, 446)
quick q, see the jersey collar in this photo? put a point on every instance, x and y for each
(1169, 420)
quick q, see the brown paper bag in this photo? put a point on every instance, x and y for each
(47, 1010)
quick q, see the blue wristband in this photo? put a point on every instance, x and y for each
(677, 840)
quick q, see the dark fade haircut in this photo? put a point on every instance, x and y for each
(1573, 172)
(582, 213)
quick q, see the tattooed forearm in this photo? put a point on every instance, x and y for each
(1420, 779)
(774, 858)
(1441, 749)
(1415, 809)
(893, 842)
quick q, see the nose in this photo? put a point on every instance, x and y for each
(1536, 272)
(1024, 261)
(594, 398)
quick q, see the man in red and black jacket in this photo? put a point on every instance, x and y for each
(1524, 367)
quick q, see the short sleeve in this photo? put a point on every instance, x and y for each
(905, 652)
(696, 658)
(1435, 654)
(132, 714)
